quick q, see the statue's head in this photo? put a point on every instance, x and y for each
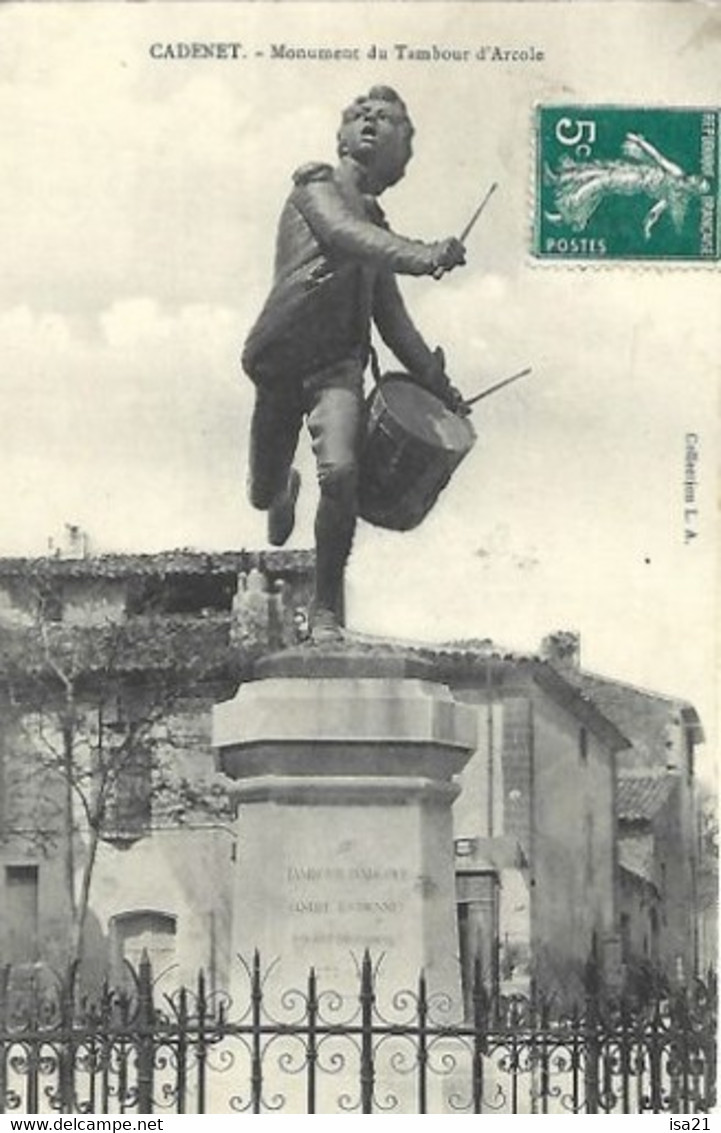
(376, 131)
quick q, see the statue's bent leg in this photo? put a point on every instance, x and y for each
(274, 430)
(272, 482)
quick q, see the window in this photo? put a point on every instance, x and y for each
(653, 924)
(124, 763)
(182, 594)
(21, 913)
(52, 609)
(138, 931)
(3, 790)
(583, 745)
(589, 849)
(625, 937)
(129, 808)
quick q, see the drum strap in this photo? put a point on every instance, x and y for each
(375, 364)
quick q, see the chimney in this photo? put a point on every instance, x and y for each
(73, 543)
(562, 649)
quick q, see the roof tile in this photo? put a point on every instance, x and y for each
(641, 797)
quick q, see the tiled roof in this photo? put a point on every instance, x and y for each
(641, 797)
(181, 561)
(466, 651)
(642, 714)
(471, 658)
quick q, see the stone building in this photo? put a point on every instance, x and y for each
(656, 930)
(535, 828)
(96, 652)
(658, 814)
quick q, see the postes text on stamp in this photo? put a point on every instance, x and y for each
(627, 183)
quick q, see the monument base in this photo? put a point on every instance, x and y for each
(343, 776)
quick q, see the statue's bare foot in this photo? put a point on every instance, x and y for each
(281, 513)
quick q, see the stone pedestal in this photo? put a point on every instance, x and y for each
(343, 764)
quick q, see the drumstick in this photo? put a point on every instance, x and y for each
(499, 385)
(478, 212)
(441, 271)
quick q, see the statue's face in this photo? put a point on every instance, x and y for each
(375, 135)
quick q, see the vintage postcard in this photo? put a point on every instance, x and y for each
(359, 557)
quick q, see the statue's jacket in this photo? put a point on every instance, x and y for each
(334, 272)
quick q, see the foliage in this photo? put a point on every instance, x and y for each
(96, 714)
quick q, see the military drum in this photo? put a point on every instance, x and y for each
(413, 444)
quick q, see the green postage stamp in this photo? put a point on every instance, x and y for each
(627, 183)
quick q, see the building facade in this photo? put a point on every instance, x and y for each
(574, 828)
(115, 830)
(535, 826)
(666, 879)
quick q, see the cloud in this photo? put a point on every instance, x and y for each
(112, 196)
(139, 433)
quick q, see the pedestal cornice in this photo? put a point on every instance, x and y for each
(350, 790)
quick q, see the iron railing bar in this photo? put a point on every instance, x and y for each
(102, 1027)
(312, 1043)
(256, 1070)
(591, 1049)
(710, 1069)
(200, 1043)
(545, 1055)
(607, 1058)
(5, 1040)
(367, 1002)
(625, 1061)
(145, 1046)
(182, 1054)
(480, 1043)
(66, 1055)
(125, 1046)
(91, 1048)
(32, 1084)
(513, 1050)
(654, 1055)
(422, 1049)
(575, 1065)
(642, 1057)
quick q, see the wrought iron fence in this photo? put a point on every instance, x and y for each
(312, 1050)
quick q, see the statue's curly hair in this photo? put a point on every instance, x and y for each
(379, 94)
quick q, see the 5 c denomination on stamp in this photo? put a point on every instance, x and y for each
(627, 183)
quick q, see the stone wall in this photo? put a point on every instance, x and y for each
(573, 844)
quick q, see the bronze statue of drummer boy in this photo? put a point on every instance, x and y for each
(336, 259)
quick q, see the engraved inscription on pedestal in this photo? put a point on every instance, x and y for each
(341, 896)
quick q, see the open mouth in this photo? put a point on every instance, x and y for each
(368, 133)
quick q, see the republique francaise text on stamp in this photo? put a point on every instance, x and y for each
(627, 183)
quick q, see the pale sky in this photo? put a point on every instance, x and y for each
(138, 212)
